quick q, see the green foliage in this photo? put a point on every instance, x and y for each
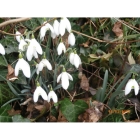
(72, 110)
(4, 117)
(19, 118)
(5, 93)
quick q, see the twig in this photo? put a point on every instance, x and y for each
(136, 111)
(14, 21)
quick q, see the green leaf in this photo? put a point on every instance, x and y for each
(19, 118)
(72, 110)
(5, 93)
(10, 43)
(2, 62)
(4, 117)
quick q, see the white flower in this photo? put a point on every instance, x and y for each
(56, 27)
(40, 91)
(44, 63)
(22, 45)
(24, 66)
(71, 39)
(53, 35)
(65, 77)
(2, 50)
(68, 25)
(52, 95)
(44, 29)
(33, 48)
(75, 59)
(61, 47)
(18, 36)
(37, 68)
(131, 84)
(62, 27)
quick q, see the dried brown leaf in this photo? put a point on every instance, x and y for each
(84, 83)
(61, 117)
(131, 59)
(117, 29)
(13, 112)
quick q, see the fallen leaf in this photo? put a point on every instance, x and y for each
(11, 75)
(13, 112)
(84, 83)
(61, 117)
(131, 59)
(92, 90)
(117, 29)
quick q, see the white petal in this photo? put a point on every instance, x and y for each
(59, 77)
(50, 27)
(52, 95)
(25, 67)
(53, 35)
(77, 60)
(61, 47)
(42, 32)
(40, 66)
(36, 45)
(2, 50)
(71, 58)
(37, 69)
(136, 87)
(65, 80)
(47, 64)
(56, 27)
(36, 95)
(71, 39)
(43, 93)
(62, 26)
(70, 77)
(29, 53)
(22, 45)
(128, 86)
(17, 68)
(68, 25)
(35, 54)
(18, 36)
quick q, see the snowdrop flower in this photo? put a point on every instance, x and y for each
(75, 59)
(2, 50)
(18, 36)
(65, 77)
(22, 65)
(131, 84)
(44, 63)
(44, 29)
(33, 48)
(53, 35)
(22, 45)
(71, 39)
(67, 24)
(56, 27)
(62, 27)
(39, 91)
(52, 95)
(61, 47)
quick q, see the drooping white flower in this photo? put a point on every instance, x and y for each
(56, 27)
(39, 91)
(61, 47)
(71, 39)
(68, 25)
(24, 66)
(37, 68)
(22, 45)
(33, 48)
(65, 77)
(131, 84)
(44, 29)
(44, 63)
(2, 50)
(18, 36)
(75, 59)
(53, 35)
(52, 95)
(62, 27)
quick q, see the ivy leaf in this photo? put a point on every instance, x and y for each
(71, 111)
(19, 118)
(4, 117)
